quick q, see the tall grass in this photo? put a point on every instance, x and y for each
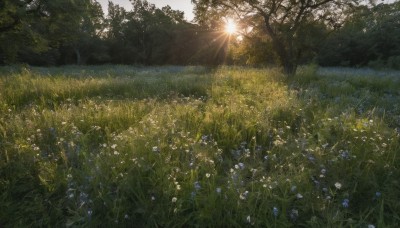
(192, 147)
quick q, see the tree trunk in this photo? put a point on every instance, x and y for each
(289, 67)
(285, 52)
(78, 56)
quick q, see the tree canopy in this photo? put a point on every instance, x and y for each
(283, 20)
(271, 32)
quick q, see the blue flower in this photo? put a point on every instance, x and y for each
(193, 194)
(345, 203)
(275, 211)
(344, 154)
(197, 185)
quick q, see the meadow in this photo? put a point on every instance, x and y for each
(198, 147)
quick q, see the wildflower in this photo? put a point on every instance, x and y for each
(241, 165)
(156, 149)
(338, 185)
(208, 175)
(178, 187)
(311, 158)
(218, 190)
(248, 219)
(153, 198)
(90, 212)
(197, 185)
(299, 196)
(293, 188)
(345, 154)
(266, 157)
(116, 153)
(126, 216)
(193, 194)
(275, 211)
(113, 146)
(371, 226)
(294, 214)
(174, 199)
(345, 203)
(378, 194)
(323, 171)
(243, 196)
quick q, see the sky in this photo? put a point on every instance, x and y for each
(182, 5)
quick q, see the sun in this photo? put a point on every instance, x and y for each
(230, 27)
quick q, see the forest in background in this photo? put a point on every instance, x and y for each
(60, 32)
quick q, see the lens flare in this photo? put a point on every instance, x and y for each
(230, 27)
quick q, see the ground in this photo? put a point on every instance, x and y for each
(195, 146)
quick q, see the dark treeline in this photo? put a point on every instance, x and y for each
(58, 32)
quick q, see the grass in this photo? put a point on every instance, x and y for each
(194, 147)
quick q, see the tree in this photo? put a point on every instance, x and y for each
(42, 31)
(18, 28)
(75, 25)
(283, 20)
(370, 36)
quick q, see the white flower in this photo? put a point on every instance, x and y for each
(208, 175)
(113, 146)
(299, 196)
(218, 190)
(174, 199)
(371, 226)
(248, 219)
(338, 185)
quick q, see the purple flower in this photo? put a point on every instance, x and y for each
(345, 203)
